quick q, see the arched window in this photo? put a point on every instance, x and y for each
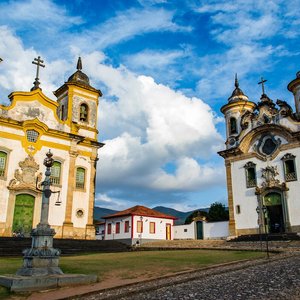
(55, 173)
(3, 162)
(84, 109)
(80, 178)
(232, 125)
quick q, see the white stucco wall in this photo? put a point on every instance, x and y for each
(160, 228)
(215, 230)
(185, 232)
(246, 198)
(122, 234)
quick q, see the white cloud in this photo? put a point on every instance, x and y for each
(18, 72)
(128, 24)
(150, 125)
(40, 14)
(104, 200)
(153, 59)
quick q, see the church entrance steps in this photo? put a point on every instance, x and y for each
(271, 237)
(253, 245)
(15, 246)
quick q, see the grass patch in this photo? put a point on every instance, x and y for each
(149, 263)
(139, 264)
(4, 292)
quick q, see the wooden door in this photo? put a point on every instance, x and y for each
(168, 231)
(23, 214)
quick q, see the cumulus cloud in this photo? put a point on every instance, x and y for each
(152, 125)
(18, 71)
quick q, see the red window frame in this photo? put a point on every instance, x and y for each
(109, 228)
(118, 227)
(126, 227)
(152, 223)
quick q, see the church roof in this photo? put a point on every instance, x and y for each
(80, 79)
(140, 210)
(79, 76)
(237, 93)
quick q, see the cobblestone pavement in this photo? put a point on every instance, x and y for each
(274, 279)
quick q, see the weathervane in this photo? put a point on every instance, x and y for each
(39, 63)
(262, 85)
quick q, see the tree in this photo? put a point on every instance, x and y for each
(218, 212)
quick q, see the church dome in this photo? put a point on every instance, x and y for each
(237, 93)
(79, 76)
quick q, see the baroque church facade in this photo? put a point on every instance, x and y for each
(30, 126)
(262, 160)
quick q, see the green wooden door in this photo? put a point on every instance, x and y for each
(23, 214)
(199, 230)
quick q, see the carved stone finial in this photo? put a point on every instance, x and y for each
(79, 64)
(48, 161)
(236, 82)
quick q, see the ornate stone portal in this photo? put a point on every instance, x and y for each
(272, 186)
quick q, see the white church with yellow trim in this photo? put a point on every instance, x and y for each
(30, 126)
(262, 159)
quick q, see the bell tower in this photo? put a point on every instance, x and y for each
(294, 87)
(238, 104)
(78, 104)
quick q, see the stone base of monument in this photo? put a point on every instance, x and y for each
(18, 283)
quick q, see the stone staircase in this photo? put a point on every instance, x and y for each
(271, 237)
(12, 246)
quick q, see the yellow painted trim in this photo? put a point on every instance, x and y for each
(244, 104)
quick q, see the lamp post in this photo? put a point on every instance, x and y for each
(259, 226)
(261, 211)
(42, 259)
(264, 209)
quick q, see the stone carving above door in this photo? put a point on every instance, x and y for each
(270, 182)
(26, 177)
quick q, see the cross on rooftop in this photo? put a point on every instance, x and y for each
(262, 85)
(39, 63)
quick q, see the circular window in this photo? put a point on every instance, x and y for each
(79, 213)
(269, 146)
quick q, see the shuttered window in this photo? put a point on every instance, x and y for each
(3, 159)
(80, 178)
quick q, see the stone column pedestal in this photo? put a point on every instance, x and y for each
(41, 259)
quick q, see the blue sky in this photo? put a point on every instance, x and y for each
(165, 69)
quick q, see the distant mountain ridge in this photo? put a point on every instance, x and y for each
(100, 212)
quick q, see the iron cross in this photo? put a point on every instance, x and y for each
(39, 63)
(262, 85)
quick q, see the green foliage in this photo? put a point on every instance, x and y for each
(195, 214)
(218, 212)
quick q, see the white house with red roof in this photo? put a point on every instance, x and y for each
(137, 225)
